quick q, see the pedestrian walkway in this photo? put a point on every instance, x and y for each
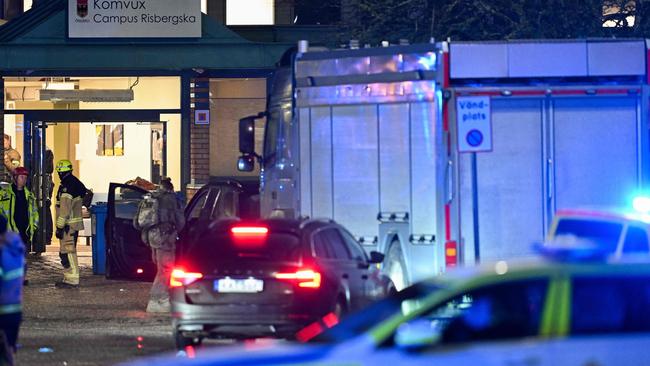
(103, 322)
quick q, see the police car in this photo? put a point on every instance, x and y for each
(538, 312)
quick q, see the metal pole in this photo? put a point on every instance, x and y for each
(477, 247)
(43, 189)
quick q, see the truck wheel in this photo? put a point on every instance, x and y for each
(395, 267)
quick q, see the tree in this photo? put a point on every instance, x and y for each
(420, 20)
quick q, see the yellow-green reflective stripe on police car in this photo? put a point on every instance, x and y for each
(564, 307)
(548, 316)
(13, 274)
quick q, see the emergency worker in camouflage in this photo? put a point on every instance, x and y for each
(68, 222)
(160, 224)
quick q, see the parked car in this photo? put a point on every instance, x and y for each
(127, 257)
(243, 279)
(537, 312)
(615, 232)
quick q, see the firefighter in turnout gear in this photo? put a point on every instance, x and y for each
(68, 222)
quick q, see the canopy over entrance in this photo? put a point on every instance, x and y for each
(38, 41)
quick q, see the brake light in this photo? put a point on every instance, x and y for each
(249, 231)
(181, 278)
(139, 271)
(306, 278)
(451, 254)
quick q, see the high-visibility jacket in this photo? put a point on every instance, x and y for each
(8, 208)
(12, 272)
(69, 199)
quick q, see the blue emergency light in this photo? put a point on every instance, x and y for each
(641, 204)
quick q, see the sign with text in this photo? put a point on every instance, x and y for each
(134, 18)
(474, 124)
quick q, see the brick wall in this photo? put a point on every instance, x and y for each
(199, 137)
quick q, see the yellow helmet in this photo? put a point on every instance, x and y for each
(64, 166)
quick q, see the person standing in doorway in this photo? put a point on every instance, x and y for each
(12, 261)
(18, 205)
(160, 218)
(11, 157)
(68, 222)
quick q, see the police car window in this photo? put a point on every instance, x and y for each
(610, 305)
(502, 311)
(337, 244)
(271, 138)
(358, 254)
(636, 240)
(603, 233)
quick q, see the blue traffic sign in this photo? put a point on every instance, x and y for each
(474, 138)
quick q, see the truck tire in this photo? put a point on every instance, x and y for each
(395, 267)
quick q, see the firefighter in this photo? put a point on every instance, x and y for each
(11, 156)
(68, 222)
(18, 205)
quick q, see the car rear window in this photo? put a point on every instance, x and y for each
(605, 234)
(220, 247)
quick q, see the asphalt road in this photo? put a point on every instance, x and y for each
(101, 323)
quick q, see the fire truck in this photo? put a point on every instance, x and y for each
(452, 153)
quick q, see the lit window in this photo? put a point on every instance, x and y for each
(204, 6)
(249, 12)
(27, 4)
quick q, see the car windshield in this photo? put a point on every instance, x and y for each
(224, 247)
(362, 321)
(605, 234)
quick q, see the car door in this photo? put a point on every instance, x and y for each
(371, 284)
(127, 256)
(197, 217)
(348, 267)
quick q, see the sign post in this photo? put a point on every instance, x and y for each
(474, 127)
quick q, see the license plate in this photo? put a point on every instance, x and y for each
(246, 285)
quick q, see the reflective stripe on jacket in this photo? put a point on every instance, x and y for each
(12, 260)
(8, 208)
(69, 200)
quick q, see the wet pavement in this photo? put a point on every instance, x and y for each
(101, 323)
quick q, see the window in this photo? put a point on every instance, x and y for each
(329, 244)
(250, 12)
(610, 305)
(221, 247)
(358, 254)
(199, 204)
(502, 311)
(271, 139)
(636, 240)
(603, 233)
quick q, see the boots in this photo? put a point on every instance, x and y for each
(158, 306)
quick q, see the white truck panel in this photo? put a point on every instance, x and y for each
(596, 149)
(424, 142)
(304, 127)
(394, 158)
(510, 184)
(356, 167)
(493, 57)
(554, 59)
(629, 56)
(321, 162)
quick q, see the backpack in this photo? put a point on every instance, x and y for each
(148, 214)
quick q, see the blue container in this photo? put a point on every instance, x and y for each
(98, 213)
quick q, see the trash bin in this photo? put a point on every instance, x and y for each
(98, 213)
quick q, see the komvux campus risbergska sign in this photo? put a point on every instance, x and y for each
(134, 18)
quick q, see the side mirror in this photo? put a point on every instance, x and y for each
(416, 335)
(247, 136)
(376, 257)
(246, 163)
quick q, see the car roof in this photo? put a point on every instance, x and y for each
(539, 267)
(604, 214)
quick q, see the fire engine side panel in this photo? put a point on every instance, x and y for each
(510, 184)
(596, 149)
(321, 162)
(304, 127)
(355, 167)
(394, 158)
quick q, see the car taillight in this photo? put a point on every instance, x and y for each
(181, 278)
(249, 231)
(306, 278)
